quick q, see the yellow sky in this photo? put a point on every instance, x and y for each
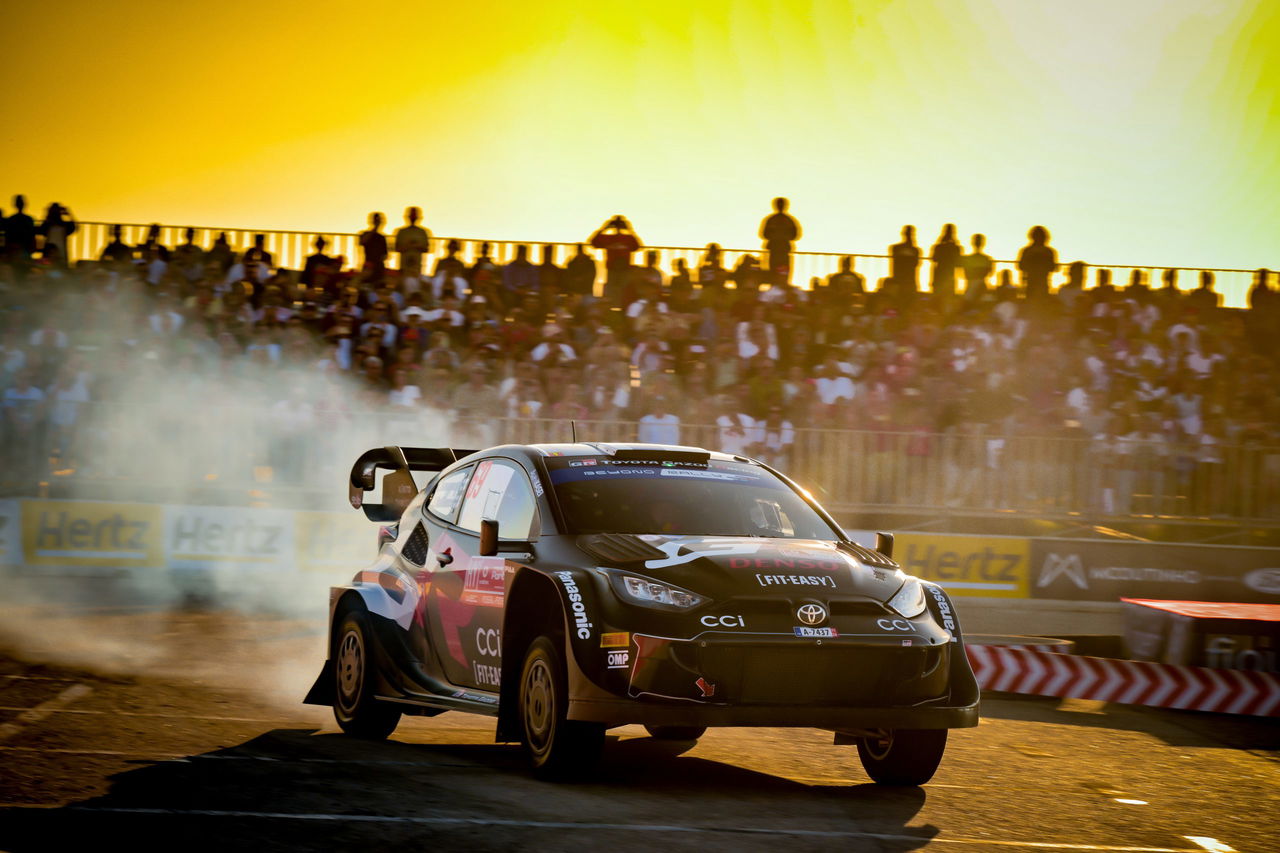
(1138, 131)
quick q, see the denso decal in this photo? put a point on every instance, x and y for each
(944, 607)
(796, 580)
(582, 624)
(801, 564)
(725, 547)
(723, 621)
(894, 625)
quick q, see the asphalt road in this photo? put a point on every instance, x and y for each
(151, 729)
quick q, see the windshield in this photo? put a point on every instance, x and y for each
(598, 494)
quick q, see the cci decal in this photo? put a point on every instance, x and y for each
(722, 621)
(102, 536)
(895, 625)
(582, 626)
(967, 565)
(489, 642)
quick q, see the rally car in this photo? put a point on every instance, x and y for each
(569, 588)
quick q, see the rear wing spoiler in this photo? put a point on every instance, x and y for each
(398, 487)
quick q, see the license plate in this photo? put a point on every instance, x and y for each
(802, 631)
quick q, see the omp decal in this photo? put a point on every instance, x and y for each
(617, 659)
(714, 547)
(582, 624)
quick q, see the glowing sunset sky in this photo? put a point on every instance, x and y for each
(1138, 131)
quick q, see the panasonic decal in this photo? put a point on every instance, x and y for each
(583, 625)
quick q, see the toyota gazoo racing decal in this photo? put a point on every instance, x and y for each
(945, 612)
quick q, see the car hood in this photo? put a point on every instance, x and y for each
(723, 566)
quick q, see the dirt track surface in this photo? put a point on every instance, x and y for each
(165, 730)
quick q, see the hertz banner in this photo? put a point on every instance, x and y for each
(91, 538)
(991, 566)
(1084, 570)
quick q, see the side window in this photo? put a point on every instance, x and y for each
(448, 494)
(500, 490)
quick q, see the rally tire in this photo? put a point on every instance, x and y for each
(902, 756)
(358, 713)
(557, 748)
(676, 732)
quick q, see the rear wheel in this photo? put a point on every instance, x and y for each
(676, 732)
(902, 756)
(358, 713)
(557, 748)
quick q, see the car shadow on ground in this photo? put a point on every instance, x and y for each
(1174, 727)
(295, 789)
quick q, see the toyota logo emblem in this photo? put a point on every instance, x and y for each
(812, 614)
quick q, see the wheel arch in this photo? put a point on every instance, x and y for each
(533, 607)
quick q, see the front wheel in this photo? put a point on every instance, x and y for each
(357, 711)
(557, 748)
(902, 756)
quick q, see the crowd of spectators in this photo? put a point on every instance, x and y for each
(1140, 371)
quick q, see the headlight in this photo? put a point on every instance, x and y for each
(909, 601)
(651, 593)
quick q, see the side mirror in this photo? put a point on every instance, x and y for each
(884, 543)
(488, 537)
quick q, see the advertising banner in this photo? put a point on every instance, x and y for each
(1090, 570)
(990, 566)
(333, 544)
(207, 537)
(91, 538)
(10, 533)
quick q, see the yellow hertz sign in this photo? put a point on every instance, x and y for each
(967, 565)
(86, 533)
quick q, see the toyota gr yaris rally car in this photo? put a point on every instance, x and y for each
(569, 588)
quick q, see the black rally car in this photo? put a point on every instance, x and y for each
(569, 588)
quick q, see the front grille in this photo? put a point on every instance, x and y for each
(834, 676)
(619, 547)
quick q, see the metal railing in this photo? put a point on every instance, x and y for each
(290, 249)
(206, 451)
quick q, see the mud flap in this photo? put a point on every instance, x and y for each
(321, 693)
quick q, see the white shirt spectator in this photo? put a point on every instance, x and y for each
(441, 279)
(647, 358)
(12, 360)
(455, 318)
(1188, 408)
(1203, 365)
(659, 430)
(545, 348)
(23, 405)
(830, 389)
(408, 396)
(737, 433)
(640, 306)
(47, 337)
(388, 330)
(66, 403)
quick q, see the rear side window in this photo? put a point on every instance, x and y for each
(448, 494)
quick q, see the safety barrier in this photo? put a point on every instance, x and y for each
(1029, 671)
(290, 249)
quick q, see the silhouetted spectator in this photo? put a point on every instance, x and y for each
(258, 262)
(977, 267)
(188, 258)
(520, 276)
(221, 252)
(316, 262)
(412, 242)
(373, 246)
(904, 262)
(58, 225)
(580, 273)
(117, 251)
(779, 231)
(1204, 298)
(711, 273)
(549, 273)
(20, 233)
(619, 243)
(841, 286)
(153, 245)
(1037, 261)
(946, 259)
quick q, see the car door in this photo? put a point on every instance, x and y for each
(470, 590)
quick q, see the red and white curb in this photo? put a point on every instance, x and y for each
(1007, 669)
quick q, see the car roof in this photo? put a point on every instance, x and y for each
(610, 448)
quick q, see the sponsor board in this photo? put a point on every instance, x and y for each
(994, 566)
(1107, 571)
(208, 537)
(332, 543)
(10, 533)
(91, 537)
(484, 586)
